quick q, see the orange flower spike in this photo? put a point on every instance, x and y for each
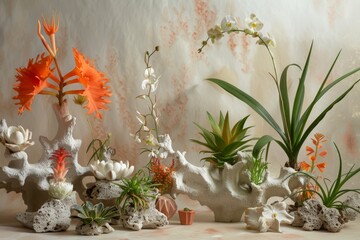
(32, 80)
(44, 41)
(305, 166)
(313, 158)
(321, 166)
(51, 31)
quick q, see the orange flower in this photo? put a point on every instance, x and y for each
(309, 150)
(313, 158)
(94, 82)
(323, 153)
(60, 169)
(51, 29)
(162, 174)
(321, 166)
(32, 80)
(305, 166)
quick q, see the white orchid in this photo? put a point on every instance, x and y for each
(229, 23)
(253, 24)
(151, 80)
(60, 190)
(266, 39)
(150, 140)
(16, 138)
(267, 217)
(111, 170)
(215, 33)
(153, 153)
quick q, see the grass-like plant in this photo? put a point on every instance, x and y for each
(99, 148)
(256, 169)
(330, 195)
(223, 142)
(98, 213)
(136, 192)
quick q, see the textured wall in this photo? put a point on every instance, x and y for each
(117, 33)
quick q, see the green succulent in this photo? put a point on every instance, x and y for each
(223, 142)
(97, 213)
(136, 191)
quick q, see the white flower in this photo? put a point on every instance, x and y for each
(60, 190)
(136, 137)
(16, 138)
(111, 170)
(215, 33)
(267, 217)
(150, 140)
(253, 24)
(229, 23)
(266, 39)
(153, 153)
(151, 80)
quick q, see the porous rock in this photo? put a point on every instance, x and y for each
(352, 201)
(93, 229)
(331, 218)
(102, 190)
(143, 218)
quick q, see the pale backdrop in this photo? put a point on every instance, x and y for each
(117, 33)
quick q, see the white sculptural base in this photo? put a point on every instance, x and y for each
(228, 192)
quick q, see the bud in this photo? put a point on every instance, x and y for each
(80, 100)
(157, 48)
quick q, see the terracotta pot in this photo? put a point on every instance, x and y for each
(166, 205)
(186, 217)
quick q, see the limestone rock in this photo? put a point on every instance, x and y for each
(354, 202)
(93, 229)
(331, 218)
(143, 218)
(53, 216)
(102, 190)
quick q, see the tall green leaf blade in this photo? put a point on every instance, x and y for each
(213, 124)
(299, 97)
(263, 141)
(251, 102)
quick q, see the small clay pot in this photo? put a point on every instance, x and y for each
(186, 217)
(166, 205)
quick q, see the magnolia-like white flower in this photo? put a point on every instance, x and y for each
(266, 39)
(60, 190)
(253, 24)
(229, 23)
(267, 217)
(215, 33)
(16, 138)
(151, 80)
(111, 170)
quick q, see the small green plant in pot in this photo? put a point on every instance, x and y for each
(222, 141)
(94, 218)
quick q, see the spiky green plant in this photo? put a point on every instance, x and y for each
(223, 142)
(136, 192)
(98, 213)
(256, 169)
(330, 195)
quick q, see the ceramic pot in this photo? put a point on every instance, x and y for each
(166, 205)
(186, 217)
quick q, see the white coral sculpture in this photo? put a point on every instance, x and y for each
(111, 170)
(228, 192)
(267, 217)
(16, 139)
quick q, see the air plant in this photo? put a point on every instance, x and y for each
(98, 213)
(100, 149)
(223, 142)
(330, 194)
(39, 77)
(59, 188)
(137, 192)
(295, 119)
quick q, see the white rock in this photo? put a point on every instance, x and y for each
(93, 229)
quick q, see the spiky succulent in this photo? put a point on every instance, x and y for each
(223, 142)
(97, 213)
(136, 192)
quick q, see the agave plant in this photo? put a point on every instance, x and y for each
(330, 195)
(223, 142)
(136, 192)
(98, 213)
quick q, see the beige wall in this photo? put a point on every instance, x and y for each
(117, 33)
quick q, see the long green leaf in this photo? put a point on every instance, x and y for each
(321, 116)
(299, 97)
(251, 102)
(263, 141)
(213, 124)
